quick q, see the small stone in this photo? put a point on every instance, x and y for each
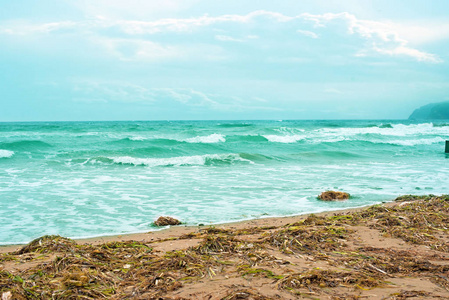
(333, 195)
(6, 296)
(164, 221)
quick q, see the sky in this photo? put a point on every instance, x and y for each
(67, 60)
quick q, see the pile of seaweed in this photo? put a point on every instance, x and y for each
(63, 269)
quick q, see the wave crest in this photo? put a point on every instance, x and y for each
(416, 142)
(286, 139)
(195, 160)
(208, 139)
(386, 130)
(6, 153)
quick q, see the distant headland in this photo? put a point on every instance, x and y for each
(433, 111)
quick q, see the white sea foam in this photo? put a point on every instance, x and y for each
(416, 142)
(6, 153)
(329, 139)
(102, 179)
(195, 160)
(394, 130)
(289, 130)
(137, 138)
(287, 139)
(208, 139)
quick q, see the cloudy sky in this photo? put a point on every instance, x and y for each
(221, 59)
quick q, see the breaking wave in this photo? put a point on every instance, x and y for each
(208, 139)
(416, 142)
(195, 160)
(286, 139)
(6, 153)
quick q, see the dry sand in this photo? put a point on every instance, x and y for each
(395, 251)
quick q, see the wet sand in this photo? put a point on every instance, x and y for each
(397, 250)
(175, 231)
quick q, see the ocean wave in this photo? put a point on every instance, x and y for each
(25, 145)
(195, 160)
(136, 138)
(208, 139)
(289, 130)
(205, 139)
(286, 139)
(441, 125)
(6, 153)
(246, 138)
(387, 130)
(372, 142)
(255, 157)
(328, 154)
(235, 125)
(127, 140)
(415, 142)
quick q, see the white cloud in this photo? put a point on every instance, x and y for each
(138, 50)
(190, 24)
(406, 51)
(91, 91)
(382, 37)
(225, 38)
(133, 40)
(25, 28)
(307, 33)
(420, 34)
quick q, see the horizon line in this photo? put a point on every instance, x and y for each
(210, 120)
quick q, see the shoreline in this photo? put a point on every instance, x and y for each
(178, 230)
(396, 250)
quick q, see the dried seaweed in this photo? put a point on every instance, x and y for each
(131, 269)
(308, 239)
(245, 294)
(326, 278)
(416, 219)
(48, 243)
(402, 295)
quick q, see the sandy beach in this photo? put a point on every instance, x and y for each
(398, 250)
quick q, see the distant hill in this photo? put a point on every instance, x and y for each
(432, 111)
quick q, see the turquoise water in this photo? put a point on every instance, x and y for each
(81, 179)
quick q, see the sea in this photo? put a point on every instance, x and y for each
(86, 179)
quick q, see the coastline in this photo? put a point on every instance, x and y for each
(396, 250)
(175, 231)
